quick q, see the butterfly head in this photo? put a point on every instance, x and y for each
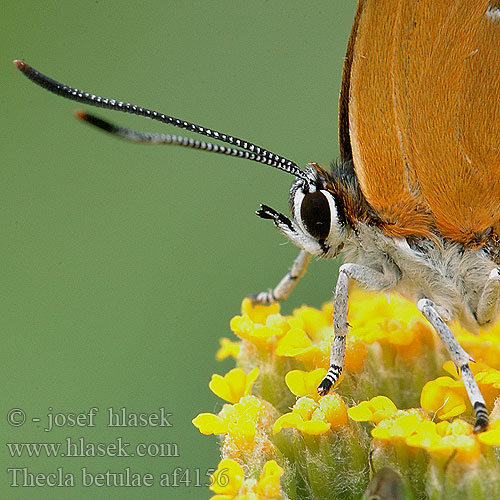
(318, 223)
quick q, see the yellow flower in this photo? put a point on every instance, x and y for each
(314, 322)
(488, 381)
(227, 348)
(375, 410)
(239, 420)
(259, 325)
(483, 347)
(383, 333)
(234, 384)
(393, 320)
(300, 418)
(258, 313)
(492, 435)
(227, 480)
(304, 408)
(447, 397)
(257, 334)
(309, 340)
(303, 383)
(311, 417)
(229, 483)
(297, 344)
(333, 409)
(399, 425)
(444, 397)
(355, 354)
(245, 425)
(268, 486)
(208, 423)
(443, 439)
(447, 438)
(367, 307)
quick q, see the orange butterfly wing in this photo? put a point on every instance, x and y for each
(421, 96)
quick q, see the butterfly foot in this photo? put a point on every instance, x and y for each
(330, 379)
(263, 298)
(482, 419)
(324, 387)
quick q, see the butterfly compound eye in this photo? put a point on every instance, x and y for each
(315, 214)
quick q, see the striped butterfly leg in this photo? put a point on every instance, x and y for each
(283, 289)
(369, 278)
(308, 245)
(461, 360)
(487, 308)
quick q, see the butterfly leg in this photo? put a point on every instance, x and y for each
(370, 278)
(461, 360)
(283, 289)
(308, 245)
(488, 302)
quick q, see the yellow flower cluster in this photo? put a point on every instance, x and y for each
(416, 429)
(305, 336)
(275, 426)
(314, 417)
(242, 422)
(228, 482)
(446, 396)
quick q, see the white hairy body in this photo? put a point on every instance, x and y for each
(452, 276)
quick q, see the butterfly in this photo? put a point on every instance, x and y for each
(414, 202)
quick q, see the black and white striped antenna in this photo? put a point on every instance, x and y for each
(248, 150)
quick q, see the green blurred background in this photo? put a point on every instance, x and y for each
(123, 264)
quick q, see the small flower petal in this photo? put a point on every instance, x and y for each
(293, 342)
(234, 384)
(287, 421)
(443, 396)
(242, 432)
(314, 427)
(374, 410)
(313, 321)
(228, 478)
(268, 486)
(228, 348)
(400, 426)
(258, 313)
(303, 383)
(208, 423)
(491, 436)
(334, 409)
